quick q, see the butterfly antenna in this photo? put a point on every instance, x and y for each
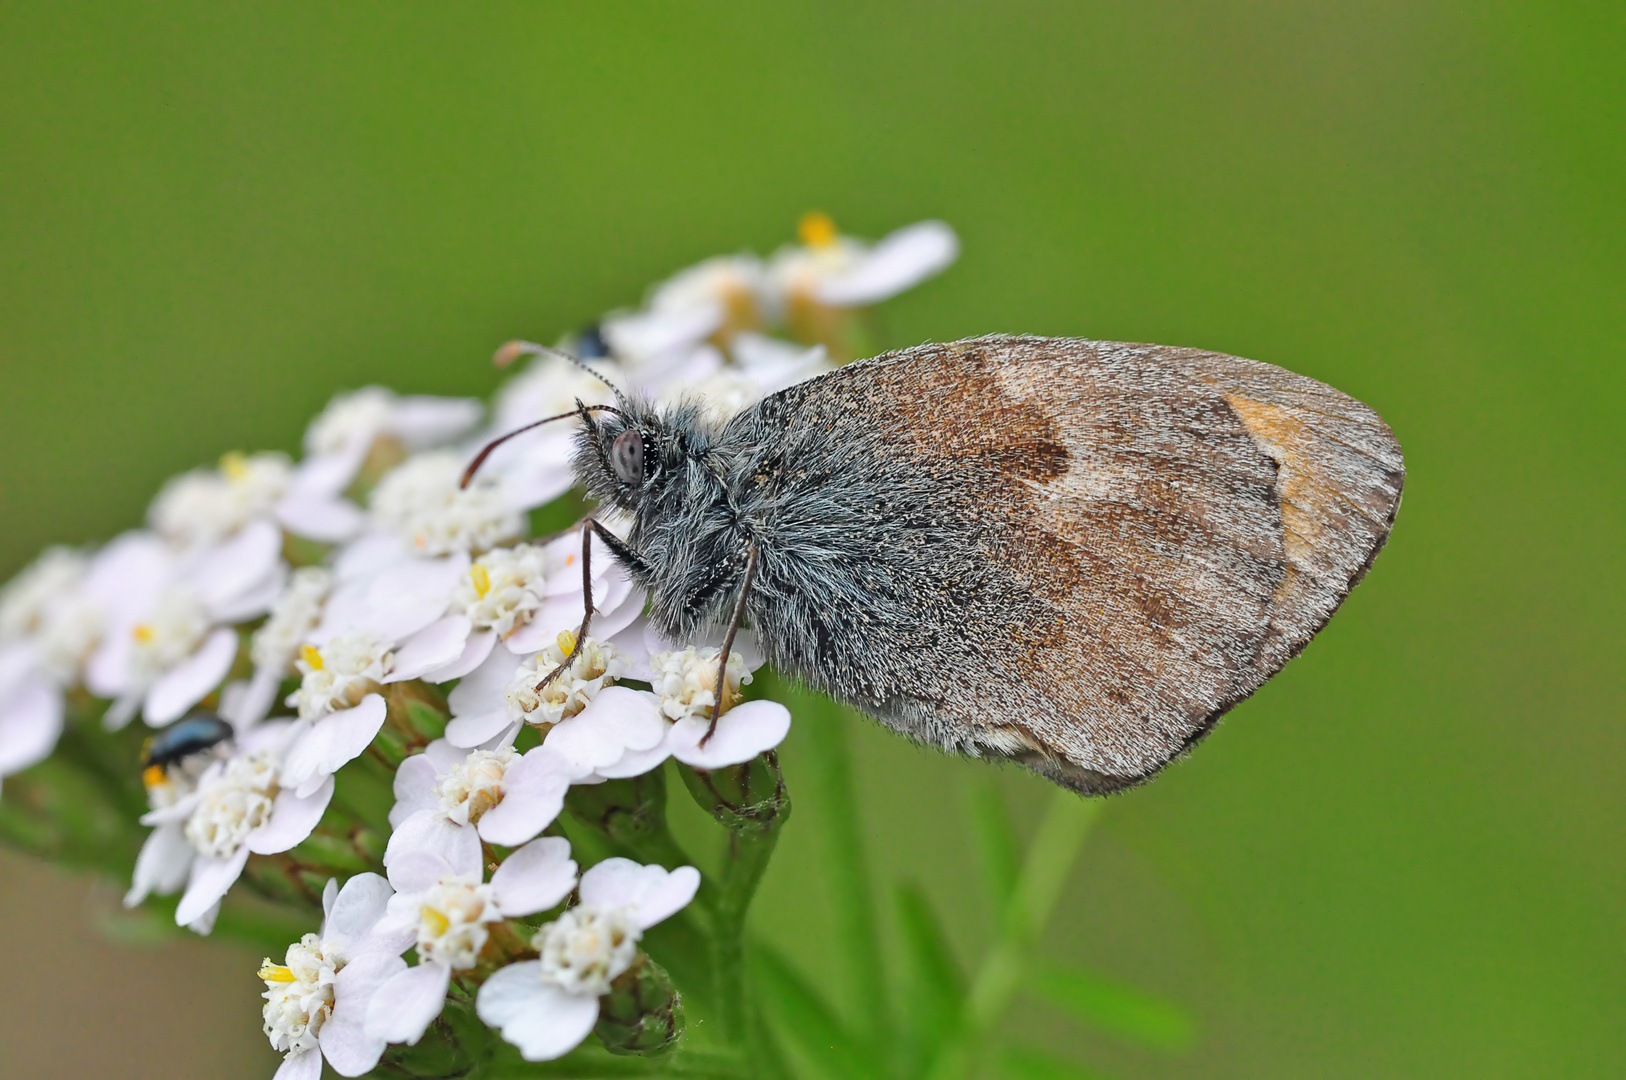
(513, 350)
(485, 451)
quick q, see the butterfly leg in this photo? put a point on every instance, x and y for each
(619, 548)
(728, 640)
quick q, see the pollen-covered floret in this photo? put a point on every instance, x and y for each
(502, 588)
(686, 681)
(205, 506)
(171, 631)
(422, 503)
(27, 600)
(340, 673)
(593, 666)
(454, 923)
(587, 947)
(348, 418)
(293, 616)
(232, 804)
(474, 786)
(298, 996)
(48, 605)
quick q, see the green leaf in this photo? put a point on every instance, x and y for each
(996, 840)
(1115, 1007)
(801, 1013)
(1038, 1065)
(933, 984)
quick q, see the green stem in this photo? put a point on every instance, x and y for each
(830, 757)
(749, 852)
(1045, 869)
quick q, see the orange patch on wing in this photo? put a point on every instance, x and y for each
(1301, 487)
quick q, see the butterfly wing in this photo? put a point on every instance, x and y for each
(1073, 554)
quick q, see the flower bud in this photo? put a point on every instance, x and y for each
(643, 1012)
(750, 795)
(627, 811)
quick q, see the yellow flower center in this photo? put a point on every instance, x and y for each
(481, 579)
(311, 656)
(437, 923)
(566, 641)
(154, 776)
(276, 973)
(816, 230)
(234, 465)
(143, 633)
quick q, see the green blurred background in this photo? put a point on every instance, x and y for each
(1402, 858)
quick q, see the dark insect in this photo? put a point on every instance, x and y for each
(1075, 555)
(192, 735)
(589, 343)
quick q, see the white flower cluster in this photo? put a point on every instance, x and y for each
(204, 624)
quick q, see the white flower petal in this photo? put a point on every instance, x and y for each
(394, 602)
(239, 564)
(632, 644)
(190, 681)
(648, 335)
(121, 712)
(563, 560)
(654, 892)
(356, 910)
(619, 608)
(324, 476)
(273, 736)
(253, 702)
(330, 895)
(162, 866)
(368, 554)
(406, 1004)
(475, 651)
(617, 720)
(536, 485)
(305, 1065)
(30, 724)
(533, 795)
(538, 1017)
(742, 733)
(327, 519)
(178, 811)
(556, 614)
(210, 880)
(18, 661)
(471, 731)
(534, 877)
(204, 924)
(414, 786)
(427, 833)
(634, 763)
(107, 671)
(128, 574)
(332, 742)
(344, 1039)
(421, 421)
(253, 601)
(899, 262)
(436, 645)
(292, 819)
(482, 689)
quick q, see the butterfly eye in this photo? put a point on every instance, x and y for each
(627, 457)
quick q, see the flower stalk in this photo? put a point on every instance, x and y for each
(751, 801)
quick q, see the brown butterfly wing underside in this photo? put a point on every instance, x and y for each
(1167, 527)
